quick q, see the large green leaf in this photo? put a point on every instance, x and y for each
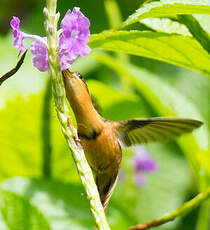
(175, 49)
(17, 213)
(64, 205)
(20, 137)
(188, 25)
(196, 30)
(166, 25)
(21, 141)
(113, 103)
(166, 8)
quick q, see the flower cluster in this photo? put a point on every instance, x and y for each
(73, 38)
(143, 163)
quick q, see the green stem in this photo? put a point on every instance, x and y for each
(63, 116)
(115, 20)
(113, 13)
(204, 216)
(46, 134)
(181, 211)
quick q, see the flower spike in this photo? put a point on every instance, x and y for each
(73, 38)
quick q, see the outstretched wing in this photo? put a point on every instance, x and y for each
(138, 131)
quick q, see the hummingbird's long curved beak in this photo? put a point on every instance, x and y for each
(66, 73)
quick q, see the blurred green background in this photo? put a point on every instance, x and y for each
(36, 196)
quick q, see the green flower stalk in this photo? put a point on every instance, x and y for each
(63, 116)
(181, 211)
(55, 53)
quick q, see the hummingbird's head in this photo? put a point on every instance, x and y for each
(88, 119)
(74, 83)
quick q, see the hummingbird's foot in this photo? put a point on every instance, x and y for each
(74, 132)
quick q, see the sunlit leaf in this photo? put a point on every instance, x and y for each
(166, 25)
(21, 141)
(64, 205)
(196, 30)
(113, 103)
(166, 8)
(21, 138)
(17, 213)
(175, 49)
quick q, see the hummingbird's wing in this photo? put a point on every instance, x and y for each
(138, 131)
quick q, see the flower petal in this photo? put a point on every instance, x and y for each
(85, 51)
(75, 35)
(40, 53)
(18, 35)
(15, 23)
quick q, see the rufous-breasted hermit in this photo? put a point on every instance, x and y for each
(103, 139)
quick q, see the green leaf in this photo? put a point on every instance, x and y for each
(166, 8)
(196, 30)
(17, 213)
(166, 25)
(21, 137)
(113, 103)
(21, 141)
(186, 25)
(64, 205)
(175, 49)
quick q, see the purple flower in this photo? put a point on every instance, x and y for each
(74, 35)
(18, 35)
(143, 163)
(40, 59)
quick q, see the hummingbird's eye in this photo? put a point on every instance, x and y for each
(80, 76)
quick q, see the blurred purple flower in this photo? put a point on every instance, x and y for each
(139, 180)
(143, 163)
(74, 35)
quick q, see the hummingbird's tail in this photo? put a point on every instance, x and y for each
(106, 187)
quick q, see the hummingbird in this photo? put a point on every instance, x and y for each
(102, 140)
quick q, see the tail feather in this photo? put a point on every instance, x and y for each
(106, 187)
